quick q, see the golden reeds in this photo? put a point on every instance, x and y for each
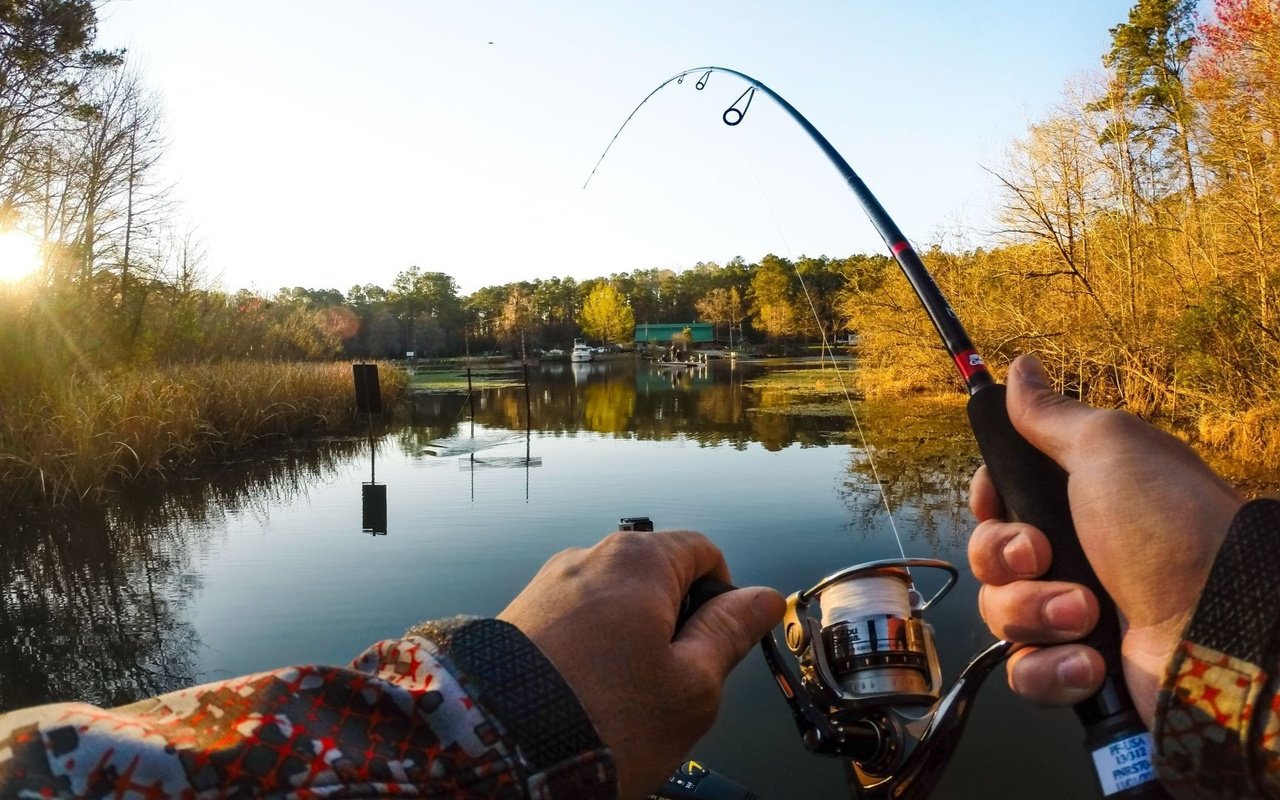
(1251, 436)
(92, 432)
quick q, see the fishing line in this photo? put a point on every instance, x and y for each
(869, 597)
(826, 346)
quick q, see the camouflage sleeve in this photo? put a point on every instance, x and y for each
(1218, 717)
(464, 708)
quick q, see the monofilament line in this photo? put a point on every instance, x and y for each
(829, 350)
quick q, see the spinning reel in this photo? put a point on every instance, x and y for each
(870, 685)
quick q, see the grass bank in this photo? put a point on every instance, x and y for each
(84, 436)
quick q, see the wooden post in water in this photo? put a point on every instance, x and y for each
(528, 417)
(524, 362)
(528, 414)
(471, 399)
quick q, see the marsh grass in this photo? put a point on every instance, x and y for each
(90, 433)
(455, 379)
(804, 392)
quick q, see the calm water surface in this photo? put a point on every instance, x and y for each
(265, 563)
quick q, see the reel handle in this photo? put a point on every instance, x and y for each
(1034, 490)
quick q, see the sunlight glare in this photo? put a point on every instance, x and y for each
(19, 256)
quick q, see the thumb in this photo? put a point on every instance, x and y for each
(724, 630)
(1051, 422)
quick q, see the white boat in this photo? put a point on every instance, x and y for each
(580, 351)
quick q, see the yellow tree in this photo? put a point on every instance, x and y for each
(774, 309)
(606, 315)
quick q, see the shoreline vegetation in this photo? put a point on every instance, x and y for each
(90, 435)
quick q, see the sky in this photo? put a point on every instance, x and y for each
(327, 144)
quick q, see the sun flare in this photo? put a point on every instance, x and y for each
(19, 256)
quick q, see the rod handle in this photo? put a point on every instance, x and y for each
(1034, 490)
(702, 590)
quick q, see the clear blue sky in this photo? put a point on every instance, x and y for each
(325, 144)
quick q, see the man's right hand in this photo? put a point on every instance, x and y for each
(1150, 516)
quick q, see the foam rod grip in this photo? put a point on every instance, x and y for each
(702, 590)
(1034, 490)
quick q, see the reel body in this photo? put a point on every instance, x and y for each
(869, 687)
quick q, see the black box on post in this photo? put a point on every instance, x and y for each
(368, 392)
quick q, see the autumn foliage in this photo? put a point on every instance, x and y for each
(1140, 237)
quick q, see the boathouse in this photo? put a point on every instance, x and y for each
(701, 334)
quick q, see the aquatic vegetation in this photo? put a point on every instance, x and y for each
(454, 379)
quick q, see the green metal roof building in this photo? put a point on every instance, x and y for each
(700, 332)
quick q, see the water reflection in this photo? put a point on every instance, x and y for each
(93, 601)
(710, 404)
(238, 570)
(922, 458)
(373, 498)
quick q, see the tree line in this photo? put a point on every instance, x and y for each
(423, 312)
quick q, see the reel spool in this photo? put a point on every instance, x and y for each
(872, 646)
(870, 682)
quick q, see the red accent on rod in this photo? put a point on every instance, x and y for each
(970, 363)
(900, 246)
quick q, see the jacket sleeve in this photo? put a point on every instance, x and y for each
(1217, 726)
(461, 708)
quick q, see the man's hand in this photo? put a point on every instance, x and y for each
(605, 617)
(1150, 516)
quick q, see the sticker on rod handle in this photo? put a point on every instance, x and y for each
(1125, 763)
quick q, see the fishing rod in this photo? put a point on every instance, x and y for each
(869, 688)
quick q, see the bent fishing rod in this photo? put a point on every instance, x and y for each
(869, 687)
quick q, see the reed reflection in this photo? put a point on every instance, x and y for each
(94, 601)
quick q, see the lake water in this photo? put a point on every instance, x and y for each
(264, 562)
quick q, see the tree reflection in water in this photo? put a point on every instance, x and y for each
(93, 600)
(712, 405)
(924, 454)
(922, 447)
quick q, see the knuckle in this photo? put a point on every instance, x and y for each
(621, 540)
(982, 541)
(625, 546)
(1110, 425)
(567, 562)
(1012, 612)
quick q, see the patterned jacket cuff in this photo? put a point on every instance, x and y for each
(541, 718)
(1216, 726)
